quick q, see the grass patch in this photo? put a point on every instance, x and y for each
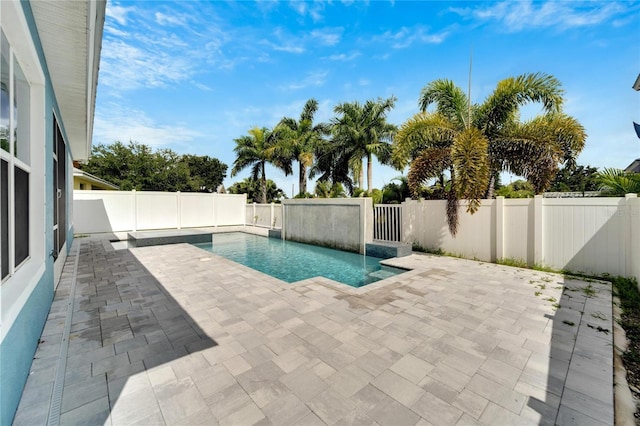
(417, 247)
(589, 291)
(627, 290)
(512, 261)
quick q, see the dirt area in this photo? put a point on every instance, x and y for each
(627, 290)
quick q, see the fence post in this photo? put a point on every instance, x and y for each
(271, 221)
(179, 215)
(499, 227)
(253, 217)
(538, 255)
(631, 241)
(213, 209)
(134, 215)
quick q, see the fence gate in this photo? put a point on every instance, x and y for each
(387, 222)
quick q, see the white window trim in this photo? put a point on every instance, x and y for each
(16, 289)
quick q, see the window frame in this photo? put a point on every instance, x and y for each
(14, 163)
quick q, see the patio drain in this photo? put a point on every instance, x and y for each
(61, 368)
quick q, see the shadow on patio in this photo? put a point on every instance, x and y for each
(124, 323)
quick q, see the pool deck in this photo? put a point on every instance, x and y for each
(175, 335)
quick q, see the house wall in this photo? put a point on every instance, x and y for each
(88, 184)
(26, 295)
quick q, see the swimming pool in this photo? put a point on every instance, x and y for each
(291, 261)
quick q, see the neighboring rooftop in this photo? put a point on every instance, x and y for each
(634, 166)
(94, 181)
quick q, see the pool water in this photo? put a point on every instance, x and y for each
(291, 261)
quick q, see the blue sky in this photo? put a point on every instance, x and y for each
(192, 76)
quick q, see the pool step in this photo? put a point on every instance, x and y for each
(174, 236)
(382, 274)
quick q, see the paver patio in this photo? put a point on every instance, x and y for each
(175, 335)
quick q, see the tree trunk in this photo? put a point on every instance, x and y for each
(369, 172)
(302, 182)
(491, 188)
(360, 177)
(264, 186)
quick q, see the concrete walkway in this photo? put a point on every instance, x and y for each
(175, 335)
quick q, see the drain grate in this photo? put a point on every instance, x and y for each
(61, 368)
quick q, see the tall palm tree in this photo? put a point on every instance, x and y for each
(362, 130)
(473, 143)
(332, 164)
(255, 150)
(299, 139)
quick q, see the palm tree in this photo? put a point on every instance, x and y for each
(363, 131)
(332, 164)
(255, 150)
(324, 189)
(473, 143)
(253, 189)
(299, 139)
(618, 183)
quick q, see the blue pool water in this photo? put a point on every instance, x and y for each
(291, 261)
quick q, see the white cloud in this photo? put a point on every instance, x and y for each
(313, 9)
(328, 36)
(521, 15)
(405, 37)
(313, 79)
(145, 54)
(287, 47)
(126, 67)
(172, 19)
(284, 42)
(118, 13)
(116, 123)
(344, 57)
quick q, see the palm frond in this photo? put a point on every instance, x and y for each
(617, 183)
(502, 106)
(471, 165)
(423, 130)
(450, 101)
(429, 164)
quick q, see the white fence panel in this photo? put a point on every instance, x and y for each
(120, 211)
(102, 211)
(264, 215)
(196, 210)
(156, 210)
(517, 231)
(425, 224)
(229, 209)
(585, 236)
(589, 235)
(276, 221)
(633, 264)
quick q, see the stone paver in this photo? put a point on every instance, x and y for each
(175, 335)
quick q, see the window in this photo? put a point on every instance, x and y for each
(14, 161)
(59, 189)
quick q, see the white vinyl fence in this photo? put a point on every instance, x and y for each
(264, 215)
(118, 211)
(589, 235)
